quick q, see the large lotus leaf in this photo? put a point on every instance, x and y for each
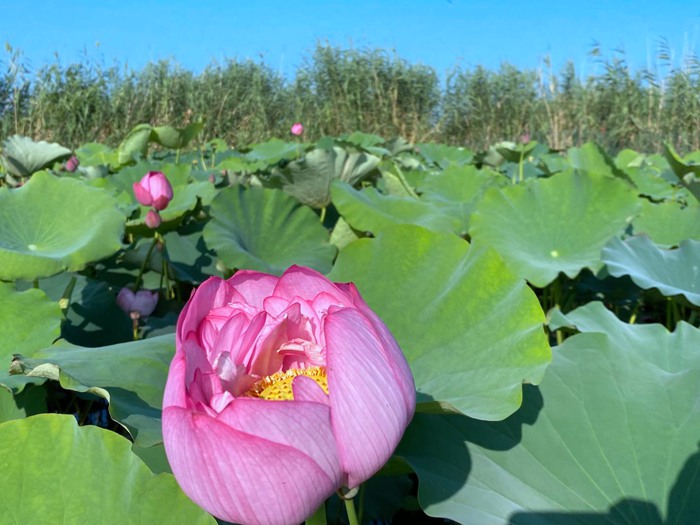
(18, 405)
(21, 156)
(591, 158)
(266, 230)
(176, 138)
(96, 154)
(687, 170)
(373, 144)
(610, 436)
(457, 190)
(471, 330)
(131, 376)
(309, 178)
(444, 156)
(135, 144)
(647, 174)
(57, 473)
(29, 321)
(519, 153)
(672, 272)
(369, 210)
(189, 255)
(51, 224)
(273, 151)
(553, 225)
(668, 223)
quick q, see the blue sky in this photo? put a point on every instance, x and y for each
(439, 33)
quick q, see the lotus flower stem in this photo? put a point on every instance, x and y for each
(323, 214)
(352, 514)
(135, 328)
(145, 262)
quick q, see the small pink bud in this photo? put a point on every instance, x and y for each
(297, 129)
(72, 164)
(139, 304)
(153, 219)
(525, 138)
(154, 189)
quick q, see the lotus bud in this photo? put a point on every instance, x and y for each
(297, 129)
(153, 219)
(72, 164)
(154, 189)
(139, 304)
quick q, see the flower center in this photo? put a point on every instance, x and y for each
(278, 386)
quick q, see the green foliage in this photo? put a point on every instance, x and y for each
(337, 91)
(610, 436)
(53, 224)
(413, 279)
(266, 230)
(479, 261)
(83, 480)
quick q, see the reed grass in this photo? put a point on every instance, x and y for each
(342, 90)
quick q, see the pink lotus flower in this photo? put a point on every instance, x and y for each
(139, 304)
(153, 219)
(281, 391)
(72, 164)
(154, 189)
(297, 129)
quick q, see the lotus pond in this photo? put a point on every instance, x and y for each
(546, 302)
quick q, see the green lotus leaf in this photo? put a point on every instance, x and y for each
(687, 169)
(188, 254)
(96, 154)
(368, 142)
(19, 405)
(672, 272)
(444, 156)
(57, 473)
(647, 174)
(29, 321)
(309, 178)
(273, 151)
(517, 153)
(591, 158)
(21, 156)
(560, 224)
(54, 224)
(668, 223)
(175, 138)
(266, 230)
(369, 210)
(457, 190)
(131, 376)
(610, 436)
(471, 330)
(135, 144)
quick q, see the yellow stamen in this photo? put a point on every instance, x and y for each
(278, 386)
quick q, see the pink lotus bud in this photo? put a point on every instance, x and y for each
(139, 304)
(287, 388)
(153, 219)
(525, 138)
(72, 164)
(154, 189)
(297, 129)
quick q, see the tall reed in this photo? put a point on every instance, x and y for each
(342, 90)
